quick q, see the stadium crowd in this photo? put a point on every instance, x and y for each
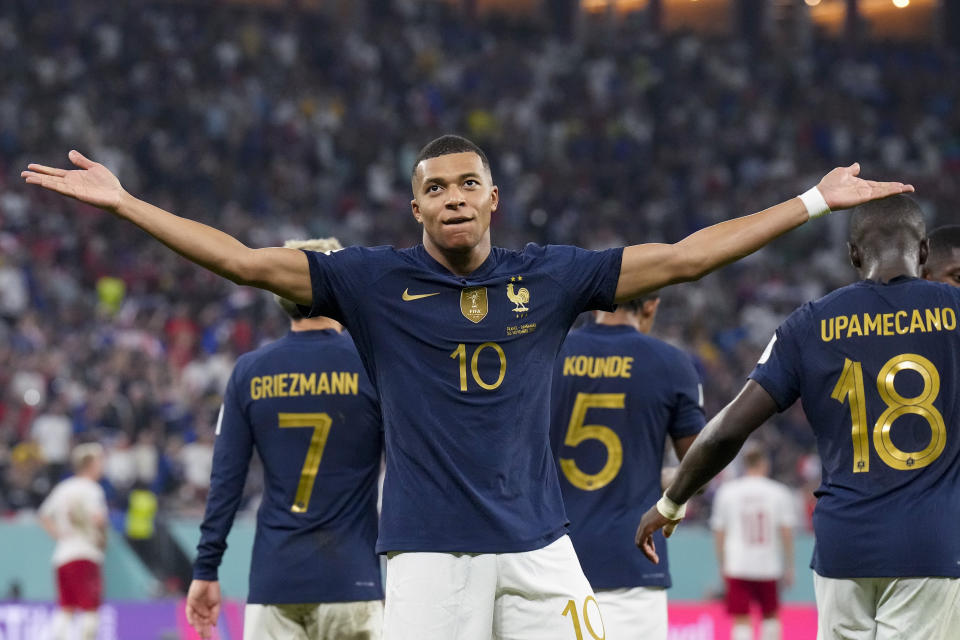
(276, 125)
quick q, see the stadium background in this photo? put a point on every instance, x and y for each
(607, 121)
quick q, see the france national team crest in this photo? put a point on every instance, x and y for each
(473, 303)
(519, 297)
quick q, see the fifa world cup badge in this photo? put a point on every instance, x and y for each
(473, 303)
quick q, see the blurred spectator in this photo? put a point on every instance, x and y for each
(279, 123)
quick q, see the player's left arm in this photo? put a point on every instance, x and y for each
(713, 450)
(49, 526)
(646, 267)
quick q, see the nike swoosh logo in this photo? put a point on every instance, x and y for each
(407, 296)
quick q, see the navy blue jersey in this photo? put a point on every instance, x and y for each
(463, 368)
(877, 367)
(305, 403)
(617, 394)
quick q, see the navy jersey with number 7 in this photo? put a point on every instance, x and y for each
(617, 395)
(877, 368)
(305, 403)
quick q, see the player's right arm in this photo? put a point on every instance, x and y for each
(282, 271)
(231, 459)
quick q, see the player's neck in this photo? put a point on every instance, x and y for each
(461, 263)
(887, 270)
(621, 318)
(319, 323)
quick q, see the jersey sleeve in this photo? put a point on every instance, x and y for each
(48, 507)
(687, 418)
(337, 280)
(231, 459)
(778, 370)
(590, 277)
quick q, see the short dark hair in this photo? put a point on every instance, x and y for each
(636, 304)
(943, 240)
(879, 222)
(447, 144)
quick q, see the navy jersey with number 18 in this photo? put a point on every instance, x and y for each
(877, 367)
(305, 403)
(617, 395)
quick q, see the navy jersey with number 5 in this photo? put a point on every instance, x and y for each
(305, 403)
(617, 394)
(877, 368)
(463, 367)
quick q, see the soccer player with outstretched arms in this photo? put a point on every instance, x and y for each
(459, 338)
(617, 394)
(305, 404)
(877, 367)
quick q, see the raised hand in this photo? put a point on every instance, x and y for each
(91, 183)
(203, 606)
(842, 189)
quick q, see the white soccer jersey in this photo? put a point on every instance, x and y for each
(73, 505)
(750, 511)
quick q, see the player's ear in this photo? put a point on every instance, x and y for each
(924, 252)
(494, 197)
(855, 258)
(415, 209)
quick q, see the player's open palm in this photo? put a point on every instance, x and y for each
(91, 183)
(203, 606)
(842, 189)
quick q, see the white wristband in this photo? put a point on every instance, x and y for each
(815, 203)
(670, 509)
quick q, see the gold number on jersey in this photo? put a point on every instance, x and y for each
(851, 384)
(571, 608)
(320, 423)
(461, 353)
(577, 432)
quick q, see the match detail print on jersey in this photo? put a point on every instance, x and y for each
(408, 297)
(473, 303)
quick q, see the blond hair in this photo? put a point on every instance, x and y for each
(320, 245)
(83, 454)
(323, 245)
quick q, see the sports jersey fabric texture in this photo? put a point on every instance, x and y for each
(637, 390)
(463, 366)
(751, 511)
(306, 405)
(877, 368)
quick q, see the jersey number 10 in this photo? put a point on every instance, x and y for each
(850, 385)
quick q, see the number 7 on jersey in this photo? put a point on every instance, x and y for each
(320, 423)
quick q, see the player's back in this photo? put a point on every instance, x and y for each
(750, 511)
(316, 425)
(877, 366)
(616, 395)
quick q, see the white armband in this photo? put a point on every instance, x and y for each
(670, 509)
(815, 203)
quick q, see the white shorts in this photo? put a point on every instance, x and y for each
(639, 613)
(887, 608)
(531, 595)
(361, 620)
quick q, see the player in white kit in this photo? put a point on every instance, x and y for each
(75, 515)
(753, 519)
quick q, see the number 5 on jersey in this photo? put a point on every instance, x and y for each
(320, 423)
(578, 432)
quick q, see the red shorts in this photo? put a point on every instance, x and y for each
(80, 585)
(740, 593)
